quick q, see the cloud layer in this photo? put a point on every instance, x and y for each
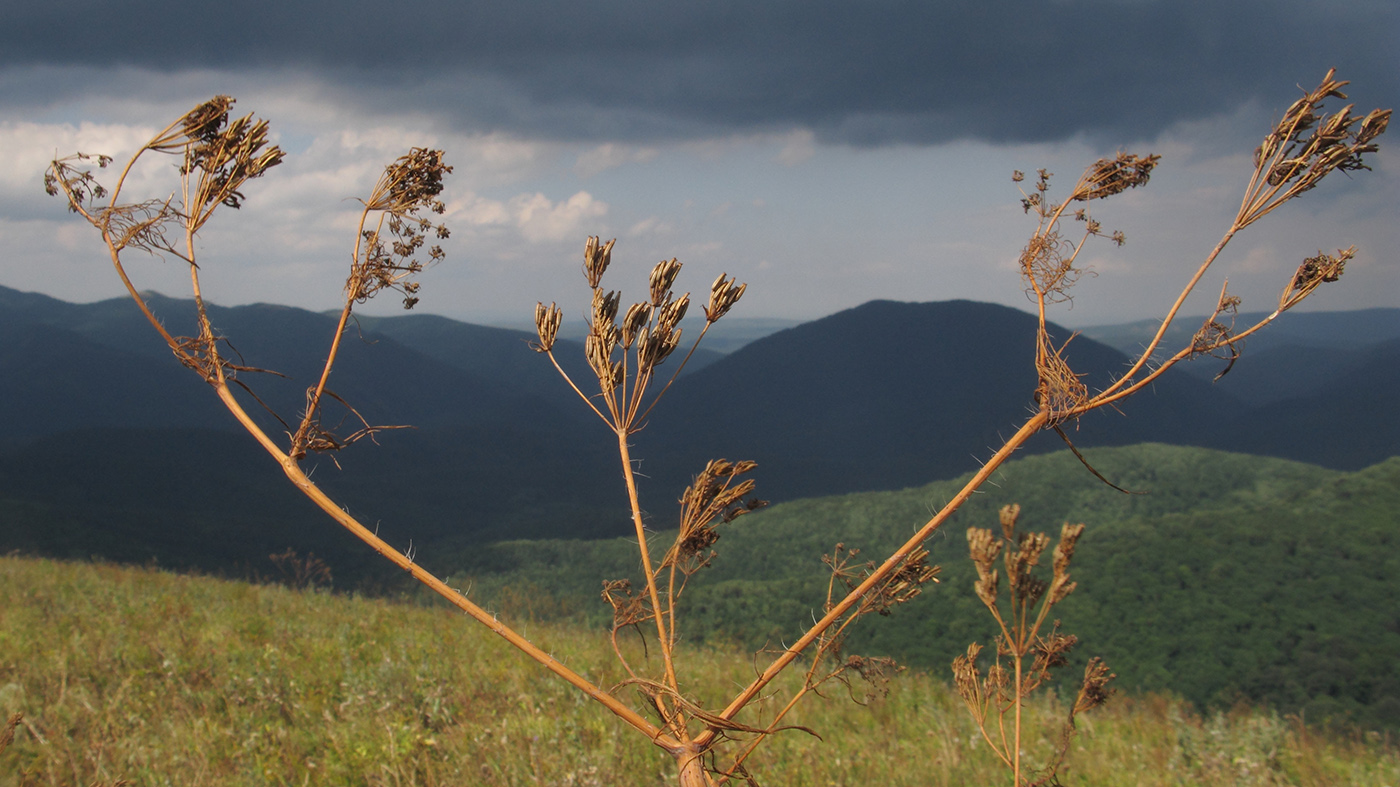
(857, 73)
(827, 153)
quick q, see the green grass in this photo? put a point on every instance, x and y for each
(165, 679)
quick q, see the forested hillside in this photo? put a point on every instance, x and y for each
(1232, 577)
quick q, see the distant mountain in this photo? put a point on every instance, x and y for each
(1347, 420)
(890, 394)
(386, 381)
(1295, 356)
(109, 429)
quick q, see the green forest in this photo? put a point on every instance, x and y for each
(1229, 578)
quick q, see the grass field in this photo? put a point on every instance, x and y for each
(152, 678)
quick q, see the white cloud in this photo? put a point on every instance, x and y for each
(610, 156)
(26, 150)
(798, 147)
(535, 217)
(650, 226)
(539, 219)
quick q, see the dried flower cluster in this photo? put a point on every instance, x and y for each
(624, 356)
(1048, 267)
(224, 155)
(714, 498)
(1291, 161)
(218, 157)
(1029, 654)
(1313, 273)
(408, 187)
(385, 257)
(1104, 178)
(903, 584)
(70, 177)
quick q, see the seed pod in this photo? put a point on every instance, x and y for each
(547, 320)
(723, 295)
(596, 259)
(638, 315)
(662, 277)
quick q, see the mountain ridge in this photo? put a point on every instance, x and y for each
(886, 395)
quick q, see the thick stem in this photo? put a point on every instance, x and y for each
(664, 641)
(1016, 752)
(314, 401)
(692, 768)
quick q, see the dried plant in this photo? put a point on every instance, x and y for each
(301, 572)
(626, 349)
(7, 735)
(1029, 650)
(217, 157)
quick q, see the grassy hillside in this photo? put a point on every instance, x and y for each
(162, 679)
(1233, 577)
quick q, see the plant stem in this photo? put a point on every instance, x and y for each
(299, 479)
(632, 498)
(1032, 425)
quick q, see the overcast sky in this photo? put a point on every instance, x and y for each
(827, 153)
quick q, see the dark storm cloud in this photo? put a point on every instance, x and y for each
(864, 73)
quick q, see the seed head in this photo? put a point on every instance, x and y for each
(596, 259)
(604, 311)
(653, 347)
(662, 277)
(966, 676)
(1313, 273)
(412, 183)
(598, 349)
(1094, 691)
(672, 312)
(547, 320)
(1106, 178)
(984, 547)
(904, 584)
(1289, 161)
(1019, 565)
(409, 185)
(1008, 516)
(723, 295)
(638, 315)
(1060, 586)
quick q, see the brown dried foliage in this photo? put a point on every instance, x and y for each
(1025, 653)
(219, 156)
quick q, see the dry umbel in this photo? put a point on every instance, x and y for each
(219, 157)
(1025, 651)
